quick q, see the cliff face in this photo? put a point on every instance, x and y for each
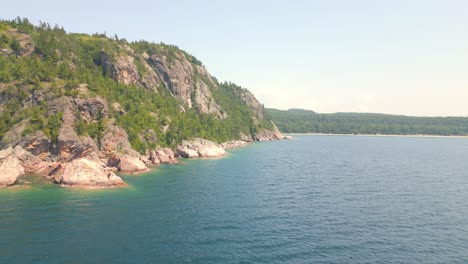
(178, 75)
(76, 107)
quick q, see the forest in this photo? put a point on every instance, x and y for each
(307, 121)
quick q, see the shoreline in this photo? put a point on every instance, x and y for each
(226, 146)
(375, 135)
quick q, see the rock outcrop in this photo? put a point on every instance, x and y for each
(85, 173)
(77, 134)
(184, 81)
(37, 143)
(234, 144)
(251, 101)
(200, 148)
(31, 163)
(115, 141)
(10, 167)
(92, 108)
(123, 69)
(16, 162)
(269, 135)
(14, 135)
(161, 156)
(118, 153)
(25, 44)
(127, 163)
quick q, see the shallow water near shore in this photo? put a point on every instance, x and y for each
(316, 199)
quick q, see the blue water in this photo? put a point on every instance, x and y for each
(316, 199)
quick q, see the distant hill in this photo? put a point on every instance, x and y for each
(307, 121)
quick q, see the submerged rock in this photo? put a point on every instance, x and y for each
(200, 148)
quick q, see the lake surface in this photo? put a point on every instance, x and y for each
(316, 199)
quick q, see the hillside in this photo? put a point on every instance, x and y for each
(306, 121)
(74, 102)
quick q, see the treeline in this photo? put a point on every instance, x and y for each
(305, 121)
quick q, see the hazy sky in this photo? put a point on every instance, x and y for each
(400, 56)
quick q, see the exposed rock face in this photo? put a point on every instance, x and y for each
(269, 135)
(25, 42)
(37, 143)
(116, 148)
(92, 108)
(31, 163)
(176, 76)
(203, 100)
(200, 148)
(122, 70)
(149, 78)
(13, 136)
(115, 140)
(179, 77)
(85, 173)
(10, 167)
(250, 100)
(71, 146)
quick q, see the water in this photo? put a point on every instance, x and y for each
(316, 199)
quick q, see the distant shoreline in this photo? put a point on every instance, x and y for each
(375, 135)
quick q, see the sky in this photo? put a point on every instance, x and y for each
(398, 57)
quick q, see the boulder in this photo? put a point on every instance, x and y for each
(153, 157)
(200, 148)
(83, 172)
(164, 155)
(10, 167)
(129, 164)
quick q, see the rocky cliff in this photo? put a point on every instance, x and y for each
(76, 108)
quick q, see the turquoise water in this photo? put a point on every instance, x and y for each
(316, 199)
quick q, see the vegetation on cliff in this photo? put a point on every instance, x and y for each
(159, 94)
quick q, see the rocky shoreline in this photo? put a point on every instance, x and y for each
(74, 160)
(98, 169)
(74, 131)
